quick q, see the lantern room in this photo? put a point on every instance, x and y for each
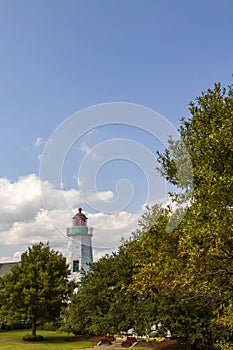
(80, 219)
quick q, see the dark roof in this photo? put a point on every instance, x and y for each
(6, 267)
(80, 214)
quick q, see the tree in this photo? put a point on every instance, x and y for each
(98, 306)
(37, 288)
(191, 266)
(207, 136)
(161, 272)
(207, 235)
(102, 304)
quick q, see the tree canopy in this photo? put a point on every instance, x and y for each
(192, 266)
(37, 288)
(181, 276)
(102, 303)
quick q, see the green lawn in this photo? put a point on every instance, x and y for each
(53, 341)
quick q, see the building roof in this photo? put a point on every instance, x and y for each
(80, 214)
(6, 267)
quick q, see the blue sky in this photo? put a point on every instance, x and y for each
(60, 57)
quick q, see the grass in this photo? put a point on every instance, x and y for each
(13, 340)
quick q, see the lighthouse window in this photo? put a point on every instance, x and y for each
(75, 266)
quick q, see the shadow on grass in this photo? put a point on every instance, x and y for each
(13, 340)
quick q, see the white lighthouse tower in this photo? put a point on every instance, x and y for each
(79, 245)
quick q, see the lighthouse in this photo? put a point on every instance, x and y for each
(79, 245)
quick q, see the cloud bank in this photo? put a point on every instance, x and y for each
(24, 220)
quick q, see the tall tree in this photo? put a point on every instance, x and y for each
(101, 303)
(207, 136)
(98, 306)
(37, 288)
(192, 266)
(162, 272)
(207, 238)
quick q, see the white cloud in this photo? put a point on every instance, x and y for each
(109, 229)
(84, 148)
(107, 234)
(88, 151)
(39, 142)
(100, 196)
(24, 220)
(16, 257)
(41, 228)
(80, 182)
(22, 200)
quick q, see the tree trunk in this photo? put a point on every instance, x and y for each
(33, 328)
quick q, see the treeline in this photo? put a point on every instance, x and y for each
(179, 268)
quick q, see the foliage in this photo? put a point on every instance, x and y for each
(36, 289)
(207, 136)
(29, 337)
(191, 266)
(102, 305)
(51, 326)
(97, 307)
(175, 272)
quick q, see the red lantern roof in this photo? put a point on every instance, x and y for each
(80, 215)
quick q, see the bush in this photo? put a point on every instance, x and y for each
(5, 327)
(16, 324)
(50, 326)
(29, 337)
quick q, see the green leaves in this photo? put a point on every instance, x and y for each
(37, 287)
(102, 303)
(191, 266)
(177, 272)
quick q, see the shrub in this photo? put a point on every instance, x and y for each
(50, 326)
(29, 337)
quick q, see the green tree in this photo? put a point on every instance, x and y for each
(99, 306)
(37, 288)
(207, 236)
(207, 136)
(191, 266)
(161, 272)
(102, 304)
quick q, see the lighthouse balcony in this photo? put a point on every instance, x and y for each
(78, 230)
